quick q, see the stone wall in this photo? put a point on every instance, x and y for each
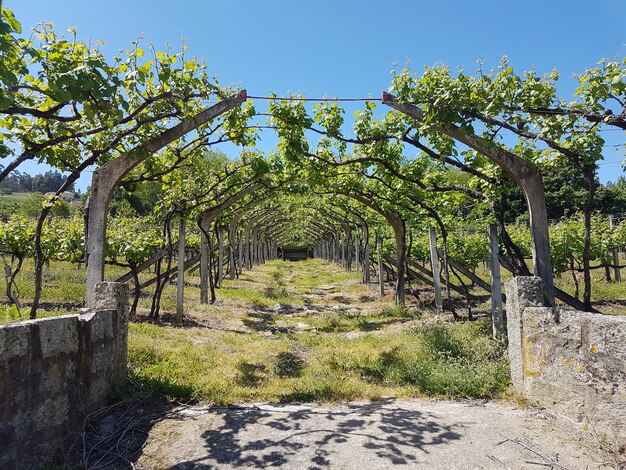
(56, 371)
(571, 362)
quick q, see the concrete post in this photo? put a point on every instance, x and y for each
(248, 244)
(240, 253)
(348, 239)
(618, 274)
(497, 314)
(434, 261)
(381, 280)
(180, 284)
(366, 254)
(231, 250)
(399, 230)
(204, 268)
(357, 252)
(253, 247)
(220, 256)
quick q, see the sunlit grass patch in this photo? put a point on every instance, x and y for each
(450, 360)
(266, 297)
(444, 360)
(343, 321)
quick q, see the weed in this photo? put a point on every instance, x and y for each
(289, 364)
(251, 374)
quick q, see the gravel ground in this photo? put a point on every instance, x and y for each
(428, 434)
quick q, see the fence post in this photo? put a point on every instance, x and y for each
(618, 274)
(357, 254)
(366, 254)
(434, 261)
(220, 256)
(381, 280)
(180, 284)
(204, 268)
(497, 314)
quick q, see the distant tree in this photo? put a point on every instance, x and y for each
(50, 181)
(612, 197)
(566, 193)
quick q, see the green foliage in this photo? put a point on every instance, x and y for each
(520, 235)
(64, 239)
(468, 249)
(566, 242)
(134, 239)
(17, 237)
(9, 313)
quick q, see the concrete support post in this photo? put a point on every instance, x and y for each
(348, 238)
(248, 248)
(618, 274)
(497, 314)
(180, 284)
(381, 279)
(357, 252)
(204, 268)
(399, 230)
(232, 243)
(240, 254)
(253, 248)
(434, 261)
(220, 257)
(366, 254)
(344, 260)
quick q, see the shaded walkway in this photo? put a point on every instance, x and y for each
(383, 434)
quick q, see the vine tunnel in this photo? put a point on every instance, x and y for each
(249, 226)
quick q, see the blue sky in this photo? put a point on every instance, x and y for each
(347, 48)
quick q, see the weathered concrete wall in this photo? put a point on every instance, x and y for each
(56, 371)
(570, 361)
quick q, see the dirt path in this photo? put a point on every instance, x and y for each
(422, 434)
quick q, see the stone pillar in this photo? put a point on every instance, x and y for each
(521, 292)
(114, 296)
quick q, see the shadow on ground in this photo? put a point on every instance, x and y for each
(424, 434)
(294, 436)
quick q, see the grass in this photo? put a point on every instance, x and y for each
(343, 322)
(443, 360)
(283, 333)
